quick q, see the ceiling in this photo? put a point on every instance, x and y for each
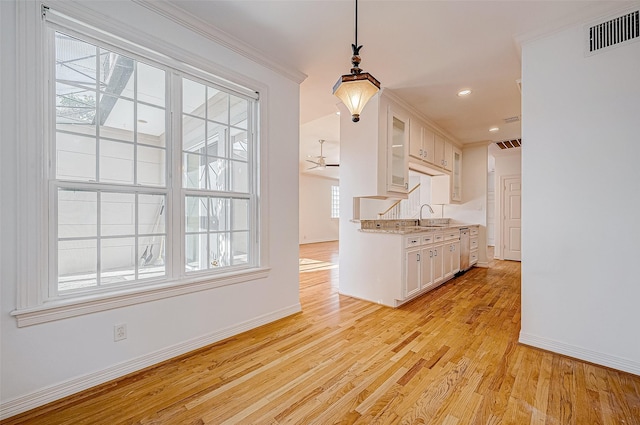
(424, 51)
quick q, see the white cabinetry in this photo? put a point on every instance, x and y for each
(443, 153)
(456, 176)
(473, 245)
(451, 253)
(397, 150)
(421, 142)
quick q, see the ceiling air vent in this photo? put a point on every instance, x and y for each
(511, 119)
(510, 144)
(614, 32)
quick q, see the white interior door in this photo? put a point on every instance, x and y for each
(512, 193)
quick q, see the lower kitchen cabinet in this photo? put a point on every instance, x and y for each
(413, 272)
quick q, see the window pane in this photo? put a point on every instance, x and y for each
(193, 172)
(219, 250)
(151, 125)
(116, 162)
(151, 214)
(75, 157)
(75, 61)
(217, 174)
(75, 108)
(77, 264)
(151, 85)
(117, 214)
(218, 214)
(240, 248)
(116, 74)
(196, 214)
(218, 105)
(239, 112)
(239, 177)
(77, 214)
(196, 252)
(216, 140)
(239, 144)
(240, 214)
(151, 166)
(116, 118)
(193, 98)
(151, 260)
(117, 260)
(193, 134)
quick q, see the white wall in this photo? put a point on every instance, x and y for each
(581, 198)
(316, 224)
(508, 162)
(473, 209)
(42, 362)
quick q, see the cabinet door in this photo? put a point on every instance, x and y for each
(397, 152)
(455, 257)
(448, 263)
(412, 272)
(415, 139)
(427, 273)
(437, 264)
(428, 146)
(448, 156)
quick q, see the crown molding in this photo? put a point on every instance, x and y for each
(200, 27)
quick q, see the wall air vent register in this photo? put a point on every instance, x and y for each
(614, 32)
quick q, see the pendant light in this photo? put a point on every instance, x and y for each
(355, 89)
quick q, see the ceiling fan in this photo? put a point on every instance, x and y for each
(321, 163)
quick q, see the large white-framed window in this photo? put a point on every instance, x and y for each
(150, 176)
(335, 201)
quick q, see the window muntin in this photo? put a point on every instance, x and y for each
(111, 187)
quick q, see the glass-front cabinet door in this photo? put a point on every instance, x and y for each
(397, 151)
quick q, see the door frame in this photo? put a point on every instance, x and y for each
(499, 226)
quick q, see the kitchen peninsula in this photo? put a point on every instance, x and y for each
(398, 260)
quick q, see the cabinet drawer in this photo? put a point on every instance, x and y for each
(473, 231)
(412, 241)
(474, 243)
(453, 234)
(428, 239)
(473, 257)
(438, 237)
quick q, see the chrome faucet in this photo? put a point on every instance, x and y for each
(428, 206)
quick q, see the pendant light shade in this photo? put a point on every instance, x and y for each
(355, 89)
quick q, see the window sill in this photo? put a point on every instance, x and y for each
(65, 308)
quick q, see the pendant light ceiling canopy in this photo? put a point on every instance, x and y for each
(355, 89)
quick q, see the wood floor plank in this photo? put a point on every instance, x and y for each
(448, 357)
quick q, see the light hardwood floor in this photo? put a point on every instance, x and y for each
(450, 357)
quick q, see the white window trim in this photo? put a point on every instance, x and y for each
(32, 307)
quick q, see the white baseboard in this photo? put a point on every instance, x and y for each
(55, 392)
(308, 241)
(580, 353)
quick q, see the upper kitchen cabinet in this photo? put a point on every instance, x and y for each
(374, 152)
(421, 142)
(397, 150)
(443, 153)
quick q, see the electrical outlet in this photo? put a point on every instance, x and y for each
(120, 332)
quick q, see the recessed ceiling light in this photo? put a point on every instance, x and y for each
(338, 113)
(465, 92)
(494, 129)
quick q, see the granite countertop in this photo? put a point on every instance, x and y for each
(405, 227)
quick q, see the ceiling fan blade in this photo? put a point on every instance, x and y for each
(313, 162)
(332, 165)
